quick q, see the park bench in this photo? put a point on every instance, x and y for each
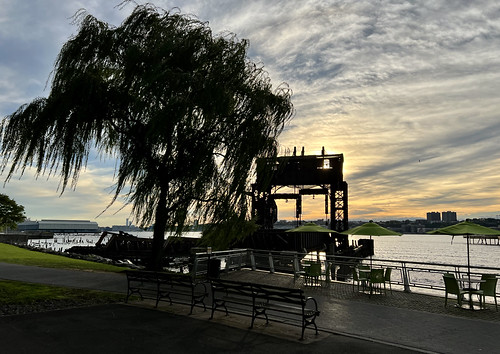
(264, 301)
(171, 287)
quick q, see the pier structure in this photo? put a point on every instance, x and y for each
(484, 240)
(291, 178)
(300, 175)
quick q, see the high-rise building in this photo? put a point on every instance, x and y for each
(434, 216)
(449, 216)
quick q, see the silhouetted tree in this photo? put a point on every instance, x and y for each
(185, 112)
(11, 213)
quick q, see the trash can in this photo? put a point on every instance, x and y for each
(213, 270)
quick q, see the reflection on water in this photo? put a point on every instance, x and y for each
(435, 249)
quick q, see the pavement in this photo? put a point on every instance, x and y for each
(350, 322)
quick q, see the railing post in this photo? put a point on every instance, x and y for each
(252, 261)
(296, 266)
(195, 266)
(271, 263)
(406, 281)
(227, 264)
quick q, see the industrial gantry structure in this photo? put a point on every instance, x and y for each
(300, 175)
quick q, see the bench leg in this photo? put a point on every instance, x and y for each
(161, 295)
(198, 300)
(257, 312)
(306, 322)
(215, 305)
(130, 292)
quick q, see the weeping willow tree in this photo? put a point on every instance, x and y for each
(184, 112)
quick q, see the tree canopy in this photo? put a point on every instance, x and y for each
(184, 111)
(11, 213)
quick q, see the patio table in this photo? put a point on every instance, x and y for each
(471, 290)
(365, 272)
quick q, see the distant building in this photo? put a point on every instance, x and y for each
(449, 216)
(59, 226)
(434, 216)
(125, 228)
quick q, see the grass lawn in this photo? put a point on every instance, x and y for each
(19, 297)
(18, 255)
(28, 294)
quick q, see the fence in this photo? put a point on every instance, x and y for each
(407, 275)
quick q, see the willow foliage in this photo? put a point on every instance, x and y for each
(185, 112)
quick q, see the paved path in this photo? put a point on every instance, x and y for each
(133, 329)
(396, 318)
(347, 326)
(107, 281)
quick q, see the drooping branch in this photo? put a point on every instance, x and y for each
(185, 111)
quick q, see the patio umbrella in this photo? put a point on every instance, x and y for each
(310, 227)
(466, 228)
(370, 229)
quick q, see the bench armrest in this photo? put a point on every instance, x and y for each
(200, 287)
(314, 303)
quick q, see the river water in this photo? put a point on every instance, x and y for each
(435, 249)
(409, 247)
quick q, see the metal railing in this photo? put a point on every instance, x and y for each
(407, 275)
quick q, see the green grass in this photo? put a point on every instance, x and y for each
(21, 294)
(25, 294)
(17, 255)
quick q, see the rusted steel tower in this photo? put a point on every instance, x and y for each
(303, 175)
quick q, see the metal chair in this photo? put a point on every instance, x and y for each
(377, 277)
(358, 279)
(327, 273)
(451, 287)
(314, 272)
(489, 287)
(387, 277)
(364, 271)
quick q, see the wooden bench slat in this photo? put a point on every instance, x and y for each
(160, 286)
(260, 298)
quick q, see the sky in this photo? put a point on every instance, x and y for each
(408, 91)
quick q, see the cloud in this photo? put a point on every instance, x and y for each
(42, 197)
(407, 91)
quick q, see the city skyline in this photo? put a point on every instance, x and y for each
(407, 92)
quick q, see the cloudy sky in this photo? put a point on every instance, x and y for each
(408, 91)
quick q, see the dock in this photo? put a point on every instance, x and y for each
(484, 240)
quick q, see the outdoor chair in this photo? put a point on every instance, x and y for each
(364, 271)
(473, 291)
(312, 274)
(327, 273)
(387, 277)
(377, 277)
(358, 279)
(305, 270)
(489, 287)
(451, 287)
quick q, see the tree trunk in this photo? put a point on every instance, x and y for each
(159, 232)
